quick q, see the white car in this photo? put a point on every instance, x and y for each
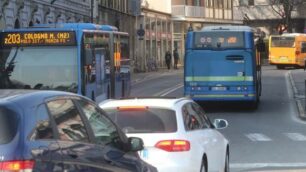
(177, 134)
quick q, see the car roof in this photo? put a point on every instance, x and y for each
(153, 102)
(29, 96)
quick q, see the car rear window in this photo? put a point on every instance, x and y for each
(8, 125)
(148, 120)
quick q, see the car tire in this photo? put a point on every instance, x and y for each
(203, 167)
(226, 165)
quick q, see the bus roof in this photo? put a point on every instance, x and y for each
(73, 26)
(227, 28)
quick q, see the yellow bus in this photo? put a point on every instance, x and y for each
(287, 50)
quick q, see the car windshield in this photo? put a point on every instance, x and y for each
(148, 120)
(43, 67)
(8, 125)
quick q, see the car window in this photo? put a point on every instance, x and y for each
(43, 128)
(104, 130)
(201, 115)
(68, 120)
(192, 120)
(144, 120)
(9, 121)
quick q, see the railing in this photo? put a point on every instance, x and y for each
(188, 11)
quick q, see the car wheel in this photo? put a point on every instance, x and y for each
(203, 166)
(226, 165)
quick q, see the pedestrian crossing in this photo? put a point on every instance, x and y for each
(260, 137)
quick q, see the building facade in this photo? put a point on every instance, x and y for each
(155, 21)
(25, 13)
(260, 14)
(195, 14)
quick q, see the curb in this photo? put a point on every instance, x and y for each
(299, 103)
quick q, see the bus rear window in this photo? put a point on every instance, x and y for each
(8, 125)
(150, 120)
(216, 40)
(282, 41)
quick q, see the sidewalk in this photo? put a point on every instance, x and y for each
(297, 80)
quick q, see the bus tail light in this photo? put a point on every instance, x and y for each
(173, 145)
(17, 166)
(297, 53)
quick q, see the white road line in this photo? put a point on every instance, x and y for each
(168, 90)
(258, 137)
(296, 136)
(262, 165)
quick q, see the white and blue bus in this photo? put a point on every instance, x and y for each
(221, 64)
(87, 59)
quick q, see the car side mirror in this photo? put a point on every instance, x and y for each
(136, 144)
(220, 123)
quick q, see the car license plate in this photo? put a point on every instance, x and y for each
(144, 153)
(218, 88)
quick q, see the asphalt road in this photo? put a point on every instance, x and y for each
(271, 138)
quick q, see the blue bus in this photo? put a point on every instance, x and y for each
(84, 58)
(221, 64)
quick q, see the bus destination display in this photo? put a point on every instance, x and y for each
(45, 38)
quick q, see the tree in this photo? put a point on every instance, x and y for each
(284, 9)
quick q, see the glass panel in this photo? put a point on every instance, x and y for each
(150, 120)
(68, 120)
(104, 130)
(282, 42)
(8, 125)
(43, 127)
(47, 68)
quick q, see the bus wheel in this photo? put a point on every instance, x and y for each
(280, 66)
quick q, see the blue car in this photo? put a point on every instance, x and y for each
(59, 131)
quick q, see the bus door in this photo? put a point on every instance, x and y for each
(101, 81)
(90, 70)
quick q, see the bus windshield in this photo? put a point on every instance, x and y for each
(218, 40)
(282, 41)
(39, 67)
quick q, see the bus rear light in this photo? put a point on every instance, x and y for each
(17, 166)
(297, 53)
(173, 145)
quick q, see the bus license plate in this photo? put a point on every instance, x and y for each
(218, 88)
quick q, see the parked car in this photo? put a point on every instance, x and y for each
(177, 134)
(58, 131)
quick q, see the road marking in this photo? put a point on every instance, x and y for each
(296, 136)
(262, 165)
(258, 137)
(168, 90)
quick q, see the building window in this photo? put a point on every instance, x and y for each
(251, 2)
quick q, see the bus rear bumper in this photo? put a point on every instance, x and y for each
(223, 97)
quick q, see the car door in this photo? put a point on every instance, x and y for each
(41, 140)
(201, 134)
(216, 146)
(77, 153)
(113, 143)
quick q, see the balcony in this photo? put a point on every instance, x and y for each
(188, 11)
